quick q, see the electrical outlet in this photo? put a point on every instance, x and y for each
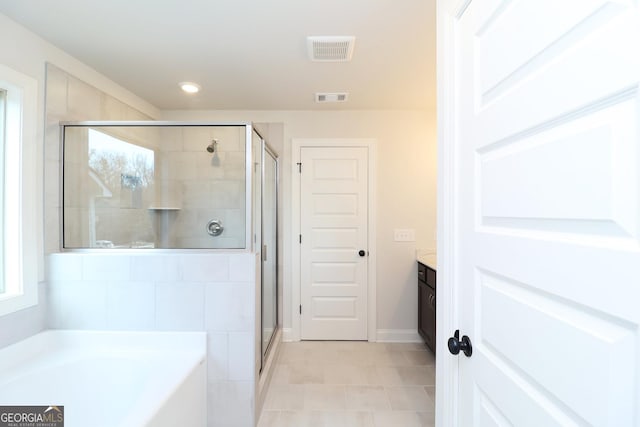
(404, 235)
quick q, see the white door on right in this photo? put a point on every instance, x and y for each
(547, 262)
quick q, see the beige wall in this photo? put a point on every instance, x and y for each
(406, 178)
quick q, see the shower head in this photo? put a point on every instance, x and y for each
(212, 147)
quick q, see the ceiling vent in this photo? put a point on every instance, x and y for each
(330, 48)
(331, 97)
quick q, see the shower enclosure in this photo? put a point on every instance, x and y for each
(148, 186)
(171, 186)
(265, 203)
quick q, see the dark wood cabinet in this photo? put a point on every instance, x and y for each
(427, 305)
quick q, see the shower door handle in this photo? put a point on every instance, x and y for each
(264, 252)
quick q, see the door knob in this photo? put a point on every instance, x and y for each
(362, 253)
(456, 345)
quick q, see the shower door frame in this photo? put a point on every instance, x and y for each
(266, 149)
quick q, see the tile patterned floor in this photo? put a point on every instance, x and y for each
(344, 384)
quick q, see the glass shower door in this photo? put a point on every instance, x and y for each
(269, 249)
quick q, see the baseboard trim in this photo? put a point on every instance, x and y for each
(398, 335)
(382, 335)
(287, 334)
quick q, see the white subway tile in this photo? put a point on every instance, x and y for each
(211, 167)
(218, 356)
(241, 356)
(77, 305)
(52, 182)
(112, 109)
(196, 138)
(230, 138)
(83, 101)
(152, 267)
(242, 267)
(171, 139)
(182, 165)
(51, 240)
(64, 266)
(135, 115)
(56, 91)
(235, 224)
(229, 307)
(105, 267)
(52, 230)
(205, 268)
(230, 404)
(131, 305)
(179, 306)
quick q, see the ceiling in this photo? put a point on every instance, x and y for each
(247, 54)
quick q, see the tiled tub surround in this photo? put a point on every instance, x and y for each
(169, 292)
(344, 384)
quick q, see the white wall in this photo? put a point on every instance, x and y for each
(406, 177)
(25, 52)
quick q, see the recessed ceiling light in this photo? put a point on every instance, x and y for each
(190, 87)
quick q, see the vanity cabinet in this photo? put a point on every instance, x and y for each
(427, 305)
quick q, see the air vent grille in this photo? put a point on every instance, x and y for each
(330, 48)
(332, 97)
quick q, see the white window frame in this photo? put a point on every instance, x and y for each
(20, 260)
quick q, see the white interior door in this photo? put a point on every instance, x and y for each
(546, 259)
(333, 223)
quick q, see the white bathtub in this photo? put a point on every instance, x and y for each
(104, 378)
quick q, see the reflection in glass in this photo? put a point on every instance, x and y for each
(154, 186)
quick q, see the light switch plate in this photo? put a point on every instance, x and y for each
(404, 235)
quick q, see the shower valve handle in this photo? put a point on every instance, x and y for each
(214, 227)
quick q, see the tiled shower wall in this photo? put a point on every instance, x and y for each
(70, 99)
(169, 292)
(201, 186)
(191, 185)
(95, 209)
(150, 290)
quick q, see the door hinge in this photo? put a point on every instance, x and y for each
(299, 167)
(300, 238)
(300, 308)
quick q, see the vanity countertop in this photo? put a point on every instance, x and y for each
(428, 258)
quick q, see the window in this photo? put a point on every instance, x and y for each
(18, 177)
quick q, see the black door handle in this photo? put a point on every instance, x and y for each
(456, 345)
(362, 253)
